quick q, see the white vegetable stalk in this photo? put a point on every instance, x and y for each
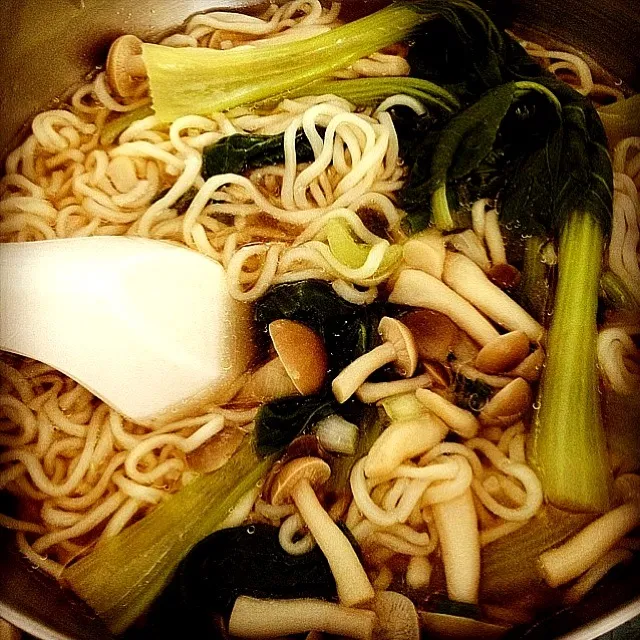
(418, 289)
(469, 281)
(337, 434)
(457, 526)
(253, 618)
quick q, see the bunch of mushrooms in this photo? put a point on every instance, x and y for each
(397, 347)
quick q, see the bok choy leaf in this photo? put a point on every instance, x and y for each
(122, 576)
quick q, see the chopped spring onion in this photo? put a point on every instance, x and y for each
(337, 434)
(123, 575)
(189, 80)
(403, 406)
(354, 254)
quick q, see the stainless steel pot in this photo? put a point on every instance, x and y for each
(49, 46)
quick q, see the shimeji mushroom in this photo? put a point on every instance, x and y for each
(402, 440)
(125, 67)
(299, 367)
(467, 279)
(463, 422)
(397, 617)
(370, 392)
(398, 347)
(508, 405)
(434, 334)
(504, 353)
(418, 289)
(426, 251)
(457, 526)
(254, 618)
(296, 481)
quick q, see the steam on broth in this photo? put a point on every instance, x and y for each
(393, 448)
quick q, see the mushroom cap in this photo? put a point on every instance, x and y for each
(397, 334)
(302, 354)
(434, 334)
(119, 74)
(504, 353)
(508, 405)
(314, 470)
(397, 617)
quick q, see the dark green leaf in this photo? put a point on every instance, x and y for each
(280, 421)
(348, 330)
(470, 136)
(238, 153)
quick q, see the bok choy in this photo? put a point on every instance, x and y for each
(539, 148)
(189, 80)
(123, 575)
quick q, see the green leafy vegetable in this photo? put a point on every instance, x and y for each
(372, 91)
(506, 574)
(548, 145)
(534, 291)
(348, 330)
(115, 127)
(621, 119)
(245, 560)
(203, 81)
(616, 294)
(123, 575)
(568, 445)
(280, 421)
(249, 560)
(239, 152)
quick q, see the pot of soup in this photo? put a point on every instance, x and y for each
(425, 220)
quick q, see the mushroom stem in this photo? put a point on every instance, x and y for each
(575, 556)
(457, 526)
(253, 618)
(351, 579)
(463, 422)
(467, 279)
(270, 382)
(371, 392)
(351, 377)
(418, 289)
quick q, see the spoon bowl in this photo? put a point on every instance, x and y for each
(147, 326)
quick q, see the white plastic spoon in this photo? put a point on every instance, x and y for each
(147, 326)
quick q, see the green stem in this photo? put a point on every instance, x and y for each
(123, 575)
(568, 445)
(534, 287)
(441, 213)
